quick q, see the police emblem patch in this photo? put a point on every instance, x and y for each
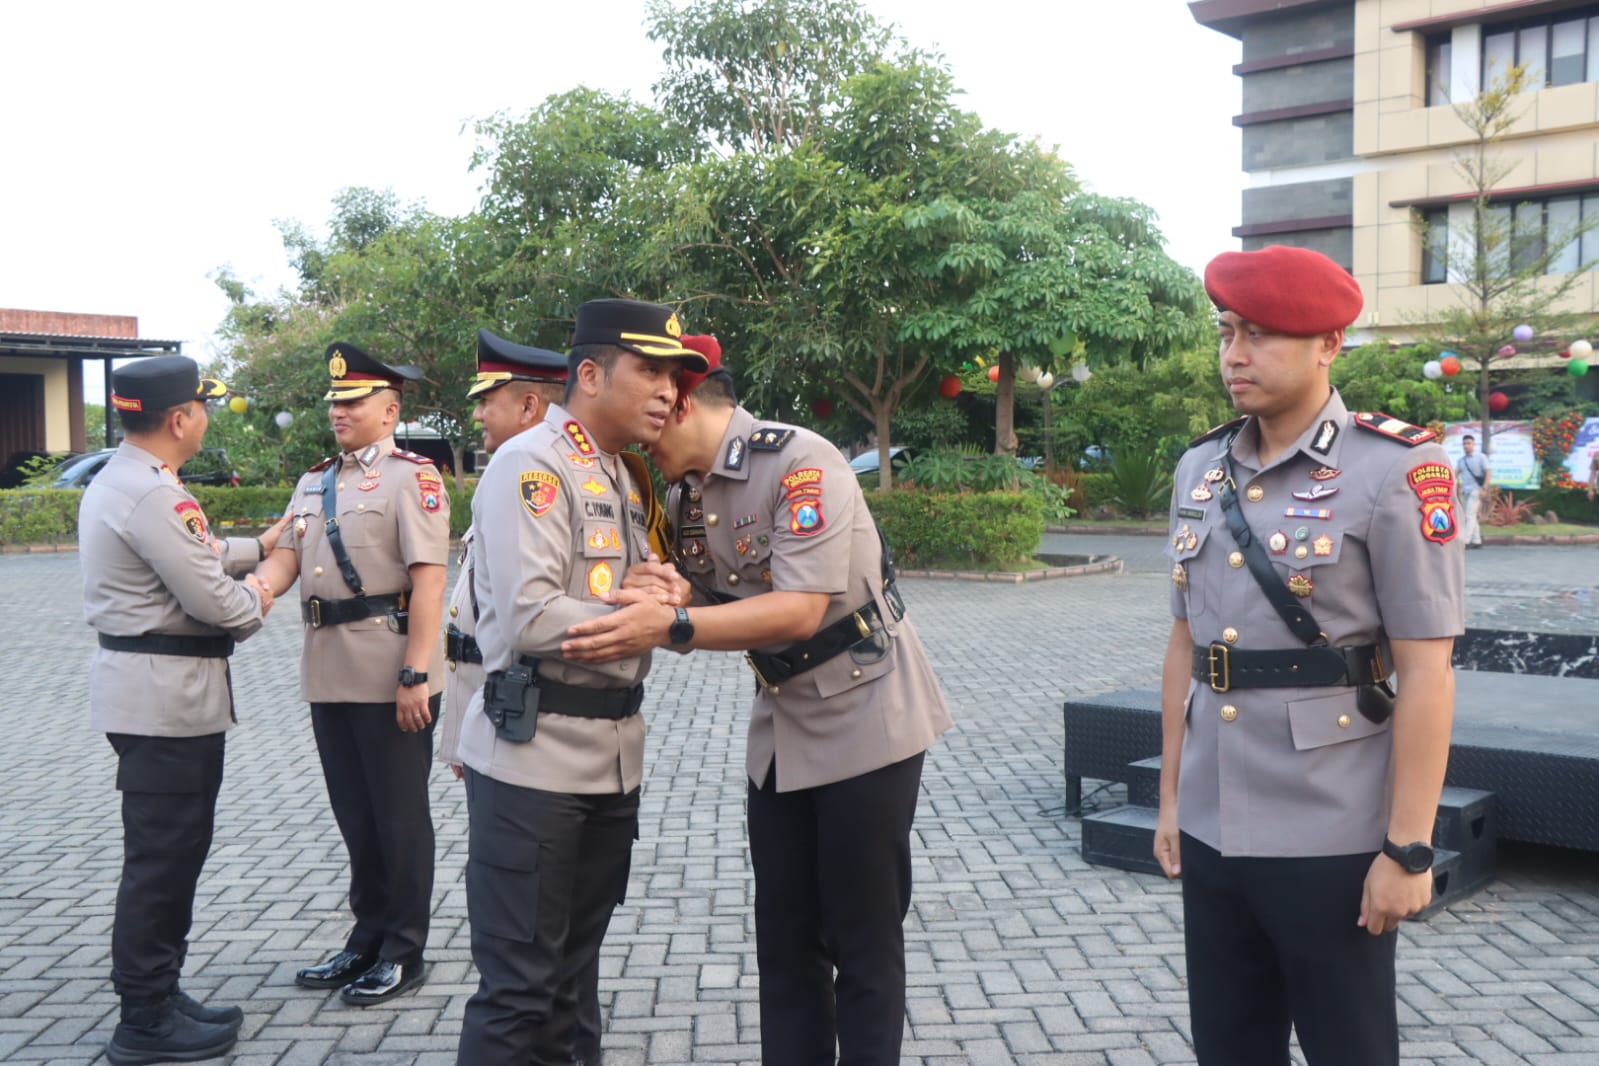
(539, 490)
(193, 520)
(806, 519)
(1434, 486)
(600, 579)
(430, 488)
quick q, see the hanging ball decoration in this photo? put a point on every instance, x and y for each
(822, 408)
(1081, 373)
(284, 419)
(238, 404)
(993, 372)
(1564, 354)
(1581, 350)
(1497, 401)
(1045, 380)
(1507, 351)
(1577, 367)
(950, 387)
(1522, 333)
(1028, 373)
(1449, 364)
(1431, 370)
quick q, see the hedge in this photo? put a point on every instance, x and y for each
(1570, 505)
(971, 530)
(50, 516)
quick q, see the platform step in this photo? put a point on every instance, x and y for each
(1467, 823)
(1143, 782)
(1123, 837)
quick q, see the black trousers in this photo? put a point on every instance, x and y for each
(377, 781)
(832, 886)
(544, 872)
(1272, 943)
(169, 791)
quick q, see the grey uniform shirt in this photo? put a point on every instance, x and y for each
(1373, 546)
(149, 567)
(393, 514)
(556, 523)
(782, 510)
(462, 679)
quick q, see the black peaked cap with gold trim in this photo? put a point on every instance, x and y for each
(354, 374)
(161, 382)
(650, 330)
(500, 360)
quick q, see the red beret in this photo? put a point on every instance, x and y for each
(1287, 290)
(710, 348)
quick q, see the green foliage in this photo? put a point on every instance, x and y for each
(461, 505)
(250, 507)
(94, 427)
(1141, 484)
(38, 471)
(971, 470)
(1093, 489)
(974, 530)
(38, 516)
(1570, 504)
(1375, 377)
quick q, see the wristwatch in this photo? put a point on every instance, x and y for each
(410, 678)
(682, 630)
(1413, 858)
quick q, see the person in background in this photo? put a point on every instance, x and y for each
(1471, 477)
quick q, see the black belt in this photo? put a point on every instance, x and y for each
(171, 644)
(575, 701)
(773, 668)
(1225, 668)
(318, 612)
(461, 647)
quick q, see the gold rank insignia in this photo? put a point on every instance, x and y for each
(1191, 541)
(1201, 494)
(674, 328)
(1322, 545)
(337, 367)
(601, 578)
(1301, 586)
(1215, 473)
(1179, 576)
(593, 486)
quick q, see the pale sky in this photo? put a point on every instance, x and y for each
(143, 146)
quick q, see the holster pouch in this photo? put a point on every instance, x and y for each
(511, 700)
(1376, 702)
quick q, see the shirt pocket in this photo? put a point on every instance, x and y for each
(1331, 719)
(1197, 549)
(362, 520)
(857, 666)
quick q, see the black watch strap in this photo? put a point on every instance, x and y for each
(410, 678)
(682, 630)
(1414, 858)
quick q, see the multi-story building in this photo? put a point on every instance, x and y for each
(1350, 136)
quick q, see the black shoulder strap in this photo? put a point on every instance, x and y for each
(330, 507)
(1290, 607)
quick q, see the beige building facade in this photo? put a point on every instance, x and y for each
(1351, 139)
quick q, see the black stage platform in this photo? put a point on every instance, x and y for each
(1531, 739)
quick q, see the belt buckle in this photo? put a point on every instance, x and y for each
(862, 625)
(1225, 671)
(316, 612)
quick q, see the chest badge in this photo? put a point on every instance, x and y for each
(1255, 493)
(1179, 576)
(593, 486)
(1277, 542)
(1215, 474)
(601, 578)
(744, 520)
(1322, 545)
(1315, 492)
(299, 527)
(1308, 512)
(1324, 473)
(1301, 586)
(1201, 493)
(742, 545)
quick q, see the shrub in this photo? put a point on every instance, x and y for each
(1570, 504)
(1499, 508)
(226, 506)
(980, 530)
(1140, 485)
(38, 516)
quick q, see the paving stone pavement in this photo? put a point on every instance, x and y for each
(1018, 951)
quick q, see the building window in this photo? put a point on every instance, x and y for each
(1435, 246)
(1439, 51)
(1559, 49)
(1521, 233)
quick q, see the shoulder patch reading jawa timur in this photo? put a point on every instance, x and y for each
(1434, 486)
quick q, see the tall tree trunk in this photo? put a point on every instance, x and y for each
(1005, 406)
(458, 454)
(1484, 387)
(881, 413)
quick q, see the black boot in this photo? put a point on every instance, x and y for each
(156, 1031)
(232, 1017)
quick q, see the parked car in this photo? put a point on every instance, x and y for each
(210, 466)
(867, 464)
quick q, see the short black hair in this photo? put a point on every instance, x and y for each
(138, 423)
(1469, 437)
(602, 355)
(717, 387)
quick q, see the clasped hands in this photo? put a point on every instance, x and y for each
(646, 605)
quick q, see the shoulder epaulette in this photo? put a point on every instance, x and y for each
(411, 457)
(1217, 431)
(1394, 429)
(323, 465)
(769, 438)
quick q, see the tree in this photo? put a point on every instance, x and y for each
(1379, 377)
(1500, 270)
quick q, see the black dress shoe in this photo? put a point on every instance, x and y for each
(338, 971)
(155, 1030)
(382, 982)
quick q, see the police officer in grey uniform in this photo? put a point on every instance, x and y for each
(370, 543)
(157, 588)
(554, 749)
(514, 387)
(776, 542)
(1315, 557)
